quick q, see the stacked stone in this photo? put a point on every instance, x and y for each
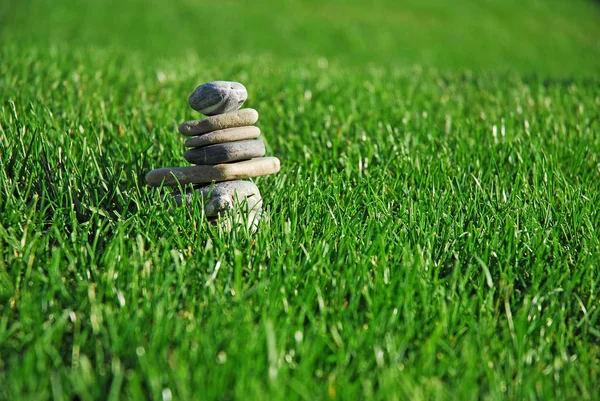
(224, 150)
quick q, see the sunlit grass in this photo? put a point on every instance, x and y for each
(432, 235)
(433, 231)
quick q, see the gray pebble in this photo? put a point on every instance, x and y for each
(173, 176)
(238, 118)
(224, 135)
(226, 152)
(222, 197)
(218, 97)
(237, 221)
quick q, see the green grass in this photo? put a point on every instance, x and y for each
(433, 231)
(558, 37)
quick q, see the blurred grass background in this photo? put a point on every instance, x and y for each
(546, 37)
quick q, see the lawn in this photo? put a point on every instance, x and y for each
(434, 231)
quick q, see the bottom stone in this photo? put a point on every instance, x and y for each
(231, 221)
(222, 197)
(230, 205)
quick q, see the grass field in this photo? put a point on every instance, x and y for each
(434, 230)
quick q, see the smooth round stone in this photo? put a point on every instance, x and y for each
(218, 97)
(173, 176)
(224, 135)
(237, 221)
(226, 152)
(223, 197)
(238, 118)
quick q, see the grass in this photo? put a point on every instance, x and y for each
(433, 231)
(554, 37)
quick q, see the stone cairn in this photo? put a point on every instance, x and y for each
(224, 150)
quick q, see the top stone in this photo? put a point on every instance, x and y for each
(218, 97)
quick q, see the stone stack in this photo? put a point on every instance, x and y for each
(224, 150)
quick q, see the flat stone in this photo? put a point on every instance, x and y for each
(218, 97)
(226, 152)
(238, 118)
(223, 197)
(224, 135)
(172, 176)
